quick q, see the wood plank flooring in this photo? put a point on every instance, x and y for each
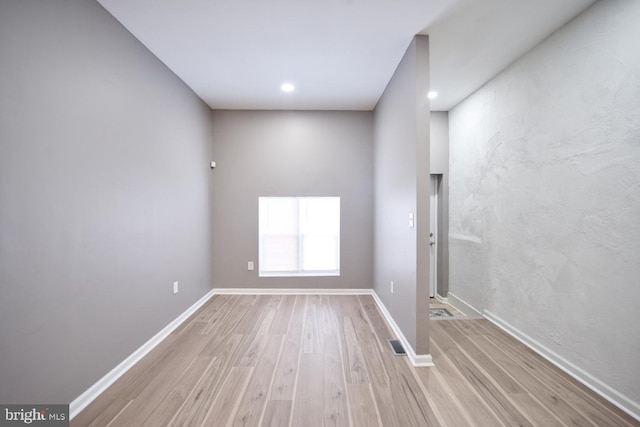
(318, 360)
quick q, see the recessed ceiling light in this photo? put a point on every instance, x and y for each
(432, 94)
(287, 87)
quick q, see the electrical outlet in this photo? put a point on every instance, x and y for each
(250, 265)
(391, 286)
(175, 288)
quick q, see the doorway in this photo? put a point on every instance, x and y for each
(433, 234)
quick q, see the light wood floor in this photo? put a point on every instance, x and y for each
(324, 361)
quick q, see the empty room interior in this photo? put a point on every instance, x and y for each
(350, 213)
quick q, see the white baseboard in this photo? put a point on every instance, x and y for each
(102, 384)
(462, 306)
(443, 300)
(618, 399)
(284, 291)
(417, 360)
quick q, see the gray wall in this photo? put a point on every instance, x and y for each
(104, 197)
(401, 156)
(286, 153)
(545, 196)
(439, 158)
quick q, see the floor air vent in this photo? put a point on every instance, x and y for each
(397, 348)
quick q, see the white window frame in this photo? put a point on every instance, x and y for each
(302, 204)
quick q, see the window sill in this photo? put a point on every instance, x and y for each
(299, 274)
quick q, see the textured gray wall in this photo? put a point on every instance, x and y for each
(401, 156)
(545, 195)
(104, 197)
(286, 153)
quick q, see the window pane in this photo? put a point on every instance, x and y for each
(320, 253)
(320, 233)
(281, 254)
(279, 240)
(280, 215)
(321, 215)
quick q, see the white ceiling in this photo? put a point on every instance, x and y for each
(340, 54)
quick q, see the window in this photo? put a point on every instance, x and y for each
(299, 236)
